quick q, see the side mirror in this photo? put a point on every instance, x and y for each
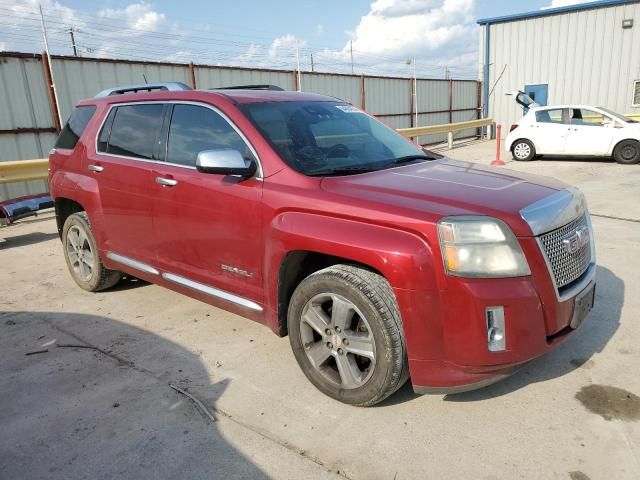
(225, 162)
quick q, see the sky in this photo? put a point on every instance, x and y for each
(384, 35)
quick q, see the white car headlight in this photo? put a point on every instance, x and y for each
(480, 247)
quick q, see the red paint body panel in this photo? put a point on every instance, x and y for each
(385, 220)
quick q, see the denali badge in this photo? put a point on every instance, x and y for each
(236, 270)
(576, 240)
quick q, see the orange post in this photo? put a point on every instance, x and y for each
(497, 161)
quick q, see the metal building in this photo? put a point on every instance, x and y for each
(581, 54)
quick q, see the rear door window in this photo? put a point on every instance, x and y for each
(195, 129)
(584, 117)
(549, 116)
(76, 124)
(134, 131)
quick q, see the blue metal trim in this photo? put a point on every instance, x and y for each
(556, 11)
(485, 73)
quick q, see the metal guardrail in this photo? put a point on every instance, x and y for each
(24, 170)
(448, 128)
(27, 170)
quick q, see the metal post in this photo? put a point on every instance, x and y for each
(415, 97)
(351, 51)
(53, 82)
(192, 75)
(363, 95)
(497, 161)
(312, 63)
(298, 62)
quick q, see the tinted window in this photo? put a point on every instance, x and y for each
(103, 140)
(549, 116)
(75, 126)
(321, 138)
(134, 130)
(581, 116)
(195, 129)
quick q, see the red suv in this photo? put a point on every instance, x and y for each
(380, 261)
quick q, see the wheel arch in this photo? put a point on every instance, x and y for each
(299, 243)
(298, 265)
(65, 207)
(624, 139)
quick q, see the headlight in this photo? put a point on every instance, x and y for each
(480, 247)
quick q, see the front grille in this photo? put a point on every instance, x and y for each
(566, 267)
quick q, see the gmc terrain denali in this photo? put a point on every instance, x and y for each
(380, 261)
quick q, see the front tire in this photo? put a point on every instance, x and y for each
(83, 259)
(346, 334)
(523, 150)
(627, 152)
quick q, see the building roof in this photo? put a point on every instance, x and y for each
(556, 11)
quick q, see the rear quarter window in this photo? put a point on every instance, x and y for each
(75, 126)
(134, 131)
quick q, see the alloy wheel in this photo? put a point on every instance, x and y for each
(338, 340)
(80, 253)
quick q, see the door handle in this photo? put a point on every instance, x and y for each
(167, 182)
(95, 168)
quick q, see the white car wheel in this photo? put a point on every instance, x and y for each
(523, 150)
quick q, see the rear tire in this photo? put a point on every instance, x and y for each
(346, 334)
(83, 259)
(523, 150)
(627, 152)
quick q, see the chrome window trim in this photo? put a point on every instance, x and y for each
(212, 291)
(130, 262)
(259, 173)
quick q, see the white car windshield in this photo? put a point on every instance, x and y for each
(615, 115)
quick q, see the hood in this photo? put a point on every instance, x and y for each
(445, 187)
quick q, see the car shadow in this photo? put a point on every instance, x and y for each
(25, 239)
(576, 352)
(90, 397)
(576, 159)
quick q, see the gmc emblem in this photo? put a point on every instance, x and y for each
(576, 240)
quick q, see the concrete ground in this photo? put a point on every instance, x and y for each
(97, 403)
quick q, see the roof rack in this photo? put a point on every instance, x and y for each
(251, 87)
(144, 87)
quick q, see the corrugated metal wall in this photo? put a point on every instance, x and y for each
(25, 105)
(25, 97)
(585, 57)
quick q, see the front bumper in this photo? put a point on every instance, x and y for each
(461, 360)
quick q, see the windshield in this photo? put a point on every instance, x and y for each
(330, 138)
(615, 115)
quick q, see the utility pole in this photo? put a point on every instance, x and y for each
(351, 52)
(298, 62)
(446, 72)
(71, 31)
(312, 63)
(46, 47)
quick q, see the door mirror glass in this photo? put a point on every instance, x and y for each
(225, 162)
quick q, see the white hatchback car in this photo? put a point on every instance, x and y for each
(573, 130)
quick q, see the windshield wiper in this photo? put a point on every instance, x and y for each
(411, 158)
(342, 171)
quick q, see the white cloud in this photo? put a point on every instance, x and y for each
(564, 3)
(3, 46)
(435, 32)
(137, 16)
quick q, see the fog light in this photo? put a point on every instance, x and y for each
(496, 333)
